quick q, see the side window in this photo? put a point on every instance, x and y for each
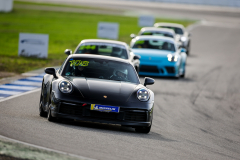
(60, 70)
(147, 33)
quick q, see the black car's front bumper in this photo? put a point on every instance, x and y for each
(81, 111)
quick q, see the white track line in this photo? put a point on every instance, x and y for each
(10, 92)
(17, 87)
(27, 83)
(47, 149)
(24, 93)
(35, 78)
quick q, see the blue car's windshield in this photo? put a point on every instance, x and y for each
(101, 69)
(154, 44)
(106, 49)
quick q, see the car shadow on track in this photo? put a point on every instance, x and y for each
(111, 129)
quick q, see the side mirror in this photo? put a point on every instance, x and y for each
(68, 52)
(148, 81)
(132, 35)
(183, 50)
(51, 71)
(136, 57)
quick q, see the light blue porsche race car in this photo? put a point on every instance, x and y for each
(160, 56)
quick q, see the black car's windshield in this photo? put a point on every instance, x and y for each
(157, 33)
(101, 69)
(106, 49)
(176, 29)
(154, 44)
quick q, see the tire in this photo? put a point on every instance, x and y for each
(177, 77)
(42, 113)
(188, 49)
(183, 75)
(143, 129)
(50, 117)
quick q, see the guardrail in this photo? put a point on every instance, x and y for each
(223, 3)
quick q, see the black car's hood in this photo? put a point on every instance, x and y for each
(107, 90)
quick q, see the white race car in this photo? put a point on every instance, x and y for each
(180, 31)
(165, 32)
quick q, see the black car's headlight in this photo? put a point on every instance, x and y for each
(65, 86)
(143, 94)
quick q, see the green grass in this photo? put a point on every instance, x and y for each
(65, 30)
(12, 150)
(55, 5)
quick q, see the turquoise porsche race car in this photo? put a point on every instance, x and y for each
(160, 56)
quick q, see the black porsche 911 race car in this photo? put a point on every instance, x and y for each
(98, 89)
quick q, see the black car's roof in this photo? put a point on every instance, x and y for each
(98, 57)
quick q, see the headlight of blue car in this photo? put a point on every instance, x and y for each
(172, 58)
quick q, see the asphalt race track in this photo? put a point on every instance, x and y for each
(197, 117)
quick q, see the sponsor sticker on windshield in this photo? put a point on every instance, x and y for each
(104, 108)
(78, 63)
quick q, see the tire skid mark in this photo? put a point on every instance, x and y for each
(202, 84)
(225, 145)
(215, 135)
(212, 150)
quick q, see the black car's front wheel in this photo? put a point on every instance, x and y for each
(143, 129)
(42, 113)
(50, 117)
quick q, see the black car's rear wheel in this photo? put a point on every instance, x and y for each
(42, 113)
(143, 129)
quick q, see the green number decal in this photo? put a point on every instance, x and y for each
(78, 63)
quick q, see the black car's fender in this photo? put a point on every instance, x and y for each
(46, 90)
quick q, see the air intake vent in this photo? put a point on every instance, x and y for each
(136, 116)
(152, 69)
(170, 69)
